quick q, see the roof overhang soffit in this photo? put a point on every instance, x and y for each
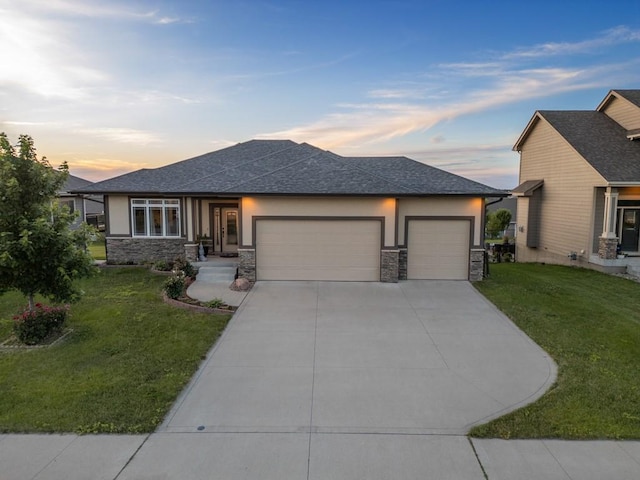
(527, 188)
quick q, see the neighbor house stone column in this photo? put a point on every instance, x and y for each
(247, 267)
(389, 266)
(476, 266)
(608, 248)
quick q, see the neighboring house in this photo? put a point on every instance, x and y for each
(296, 212)
(579, 192)
(89, 207)
(508, 204)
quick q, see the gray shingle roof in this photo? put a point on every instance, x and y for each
(632, 95)
(601, 142)
(272, 167)
(74, 183)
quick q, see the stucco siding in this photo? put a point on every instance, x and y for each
(318, 207)
(623, 112)
(567, 205)
(118, 208)
(441, 207)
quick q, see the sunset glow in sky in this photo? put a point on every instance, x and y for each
(114, 86)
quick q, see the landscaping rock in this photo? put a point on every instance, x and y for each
(241, 284)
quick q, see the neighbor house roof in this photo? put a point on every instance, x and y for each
(283, 167)
(601, 141)
(632, 96)
(73, 183)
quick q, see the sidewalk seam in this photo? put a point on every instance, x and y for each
(132, 456)
(475, 452)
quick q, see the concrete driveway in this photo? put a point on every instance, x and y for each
(348, 380)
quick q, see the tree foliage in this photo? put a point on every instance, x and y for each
(498, 222)
(39, 253)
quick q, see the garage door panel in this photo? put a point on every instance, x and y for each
(318, 250)
(438, 249)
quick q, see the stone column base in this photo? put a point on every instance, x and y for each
(191, 252)
(389, 266)
(402, 264)
(247, 267)
(608, 248)
(476, 264)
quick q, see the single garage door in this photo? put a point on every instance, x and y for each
(343, 250)
(438, 250)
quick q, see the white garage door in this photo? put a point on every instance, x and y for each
(438, 250)
(346, 250)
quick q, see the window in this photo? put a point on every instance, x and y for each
(155, 217)
(69, 203)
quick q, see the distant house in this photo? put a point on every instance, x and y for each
(579, 192)
(508, 204)
(295, 212)
(90, 207)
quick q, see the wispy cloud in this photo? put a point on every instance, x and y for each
(123, 135)
(98, 168)
(110, 10)
(614, 36)
(474, 87)
(43, 61)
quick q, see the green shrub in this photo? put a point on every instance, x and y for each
(174, 286)
(33, 326)
(215, 303)
(162, 266)
(183, 265)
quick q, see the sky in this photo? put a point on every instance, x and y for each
(114, 86)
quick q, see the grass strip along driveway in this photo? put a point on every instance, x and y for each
(589, 323)
(120, 370)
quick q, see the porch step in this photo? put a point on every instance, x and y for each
(633, 269)
(219, 273)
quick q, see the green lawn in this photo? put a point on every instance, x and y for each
(97, 249)
(120, 371)
(590, 324)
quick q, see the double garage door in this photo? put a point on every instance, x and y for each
(349, 250)
(343, 250)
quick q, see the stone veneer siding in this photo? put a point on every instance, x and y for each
(402, 264)
(127, 250)
(191, 252)
(476, 264)
(389, 260)
(608, 248)
(247, 266)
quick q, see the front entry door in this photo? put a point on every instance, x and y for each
(229, 229)
(630, 230)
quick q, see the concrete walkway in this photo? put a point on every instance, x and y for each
(213, 281)
(343, 380)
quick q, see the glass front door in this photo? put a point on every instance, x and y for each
(630, 229)
(229, 233)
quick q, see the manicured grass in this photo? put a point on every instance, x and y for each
(97, 249)
(127, 359)
(590, 324)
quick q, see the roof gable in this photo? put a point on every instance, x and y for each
(598, 139)
(632, 96)
(272, 167)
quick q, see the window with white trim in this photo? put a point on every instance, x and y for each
(155, 217)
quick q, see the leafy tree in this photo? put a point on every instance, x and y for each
(498, 221)
(39, 253)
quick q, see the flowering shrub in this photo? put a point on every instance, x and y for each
(33, 326)
(175, 285)
(181, 264)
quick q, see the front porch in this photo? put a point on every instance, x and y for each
(626, 264)
(618, 246)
